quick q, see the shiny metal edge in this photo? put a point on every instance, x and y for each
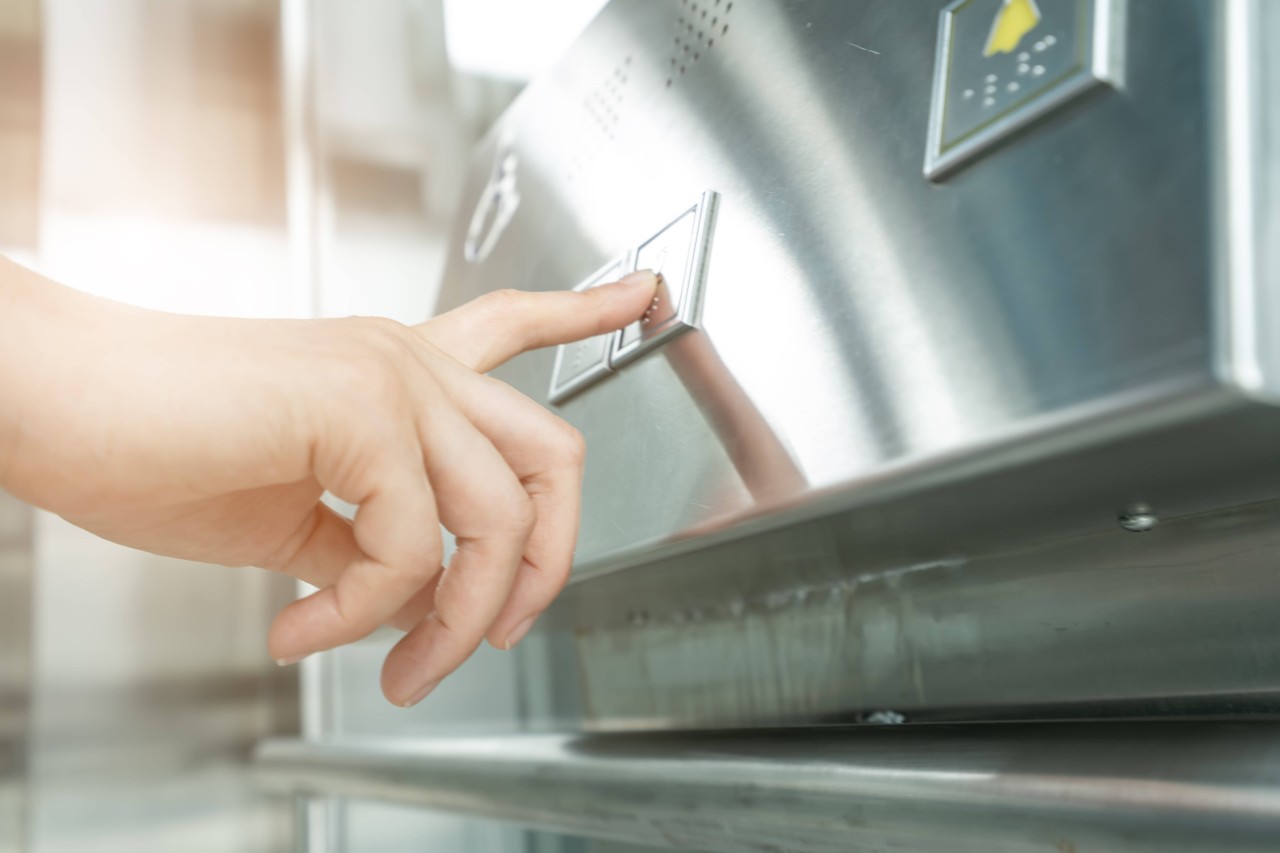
(560, 392)
(1086, 786)
(1083, 428)
(1248, 181)
(1100, 69)
(689, 314)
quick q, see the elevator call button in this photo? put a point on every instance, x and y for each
(678, 253)
(585, 362)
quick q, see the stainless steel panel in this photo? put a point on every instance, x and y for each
(1248, 183)
(913, 407)
(1172, 622)
(857, 318)
(1159, 787)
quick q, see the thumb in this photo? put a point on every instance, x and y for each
(498, 326)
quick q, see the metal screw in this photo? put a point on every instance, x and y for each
(1139, 518)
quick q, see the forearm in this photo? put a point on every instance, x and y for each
(50, 353)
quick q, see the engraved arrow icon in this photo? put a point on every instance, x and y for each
(1015, 19)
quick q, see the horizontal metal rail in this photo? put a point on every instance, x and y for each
(1158, 786)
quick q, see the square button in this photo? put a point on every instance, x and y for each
(678, 254)
(586, 362)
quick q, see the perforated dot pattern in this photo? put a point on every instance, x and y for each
(700, 26)
(602, 112)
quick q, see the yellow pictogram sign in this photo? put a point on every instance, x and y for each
(1015, 19)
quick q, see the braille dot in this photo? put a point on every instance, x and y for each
(991, 78)
(1024, 68)
(968, 93)
(1039, 47)
(1050, 41)
(1038, 71)
(1013, 87)
(990, 90)
(1024, 56)
(988, 102)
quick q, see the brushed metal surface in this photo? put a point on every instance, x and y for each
(863, 317)
(893, 374)
(1108, 624)
(1117, 787)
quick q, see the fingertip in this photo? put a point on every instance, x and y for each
(639, 277)
(622, 301)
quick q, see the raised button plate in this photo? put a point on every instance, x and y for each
(583, 363)
(679, 253)
(1001, 64)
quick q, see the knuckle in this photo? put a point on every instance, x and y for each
(505, 301)
(504, 307)
(571, 445)
(517, 515)
(372, 369)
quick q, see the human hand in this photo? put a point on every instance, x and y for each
(214, 439)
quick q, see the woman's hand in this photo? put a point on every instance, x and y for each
(213, 440)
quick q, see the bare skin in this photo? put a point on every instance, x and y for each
(213, 439)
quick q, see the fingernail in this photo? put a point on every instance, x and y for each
(290, 661)
(637, 277)
(421, 694)
(519, 633)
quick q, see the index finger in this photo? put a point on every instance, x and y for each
(498, 326)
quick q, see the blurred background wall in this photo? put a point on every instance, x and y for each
(230, 157)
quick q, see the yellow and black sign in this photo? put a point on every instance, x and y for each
(1001, 63)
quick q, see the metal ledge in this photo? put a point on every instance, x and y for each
(982, 788)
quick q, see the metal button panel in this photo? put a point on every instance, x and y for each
(678, 253)
(585, 362)
(1003, 63)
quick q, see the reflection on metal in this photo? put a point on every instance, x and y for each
(905, 382)
(1148, 787)
(1176, 621)
(885, 330)
(883, 477)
